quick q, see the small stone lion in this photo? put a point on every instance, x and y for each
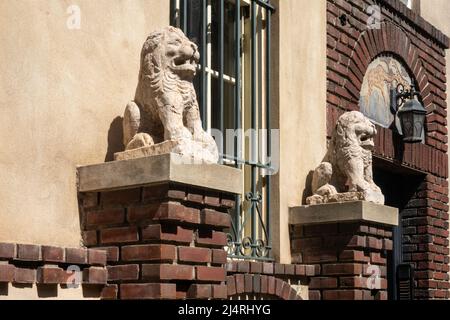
(346, 173)
(165, 108)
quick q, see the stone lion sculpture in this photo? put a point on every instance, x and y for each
(346, 173)
(164, 116)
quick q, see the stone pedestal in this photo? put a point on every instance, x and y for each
(162, 224)
(349, 242)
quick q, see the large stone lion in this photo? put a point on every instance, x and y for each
(165, 110)
(346, 173)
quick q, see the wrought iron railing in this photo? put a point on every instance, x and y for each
(250, 234)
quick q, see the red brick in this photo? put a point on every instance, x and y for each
(353, 282)
(97, 257)
(300, 270)
(342, 269)
(123, 272)
(212, 199)
(240, 283)
(89, 200)
(195, 195)
(243, 266)
(219, 291)
(357, 242)
(50, 275)
(167, 272)
(227, 201)
(323, 283)
(374, 243)
(353, 255)
(112, 253)
(248, 283)
(28, 252)
(148, 291)
(140, 214)
(106, 217)
(231, 286)
(257, 283)
(109, 292)
(264, 284)
(342, 295)
(24, 276)
(267, 268)
(279, 269)
(95, 275)
(76, 256)
(210, 273)
(6, 273)
(219, 256)
(119, 235)
(7, 251)
(52, 254)
(167, 233)
(215, 218)
(271, 285)
(173, 211)
(196, 255)
(255, 267)
(314, 295)
(310, 270)
(199, 291)
(90, 238)
(121, 197)
(289, 269)
(212, 238)
(151, 252)
(279, 287)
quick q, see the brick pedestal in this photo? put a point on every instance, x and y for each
(349, 244)
(164, 239)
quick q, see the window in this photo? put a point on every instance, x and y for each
(233, 88)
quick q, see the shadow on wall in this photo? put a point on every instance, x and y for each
(115, 139)
(308, 190)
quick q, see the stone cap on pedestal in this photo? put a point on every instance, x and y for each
(156, 170)
(344, 212)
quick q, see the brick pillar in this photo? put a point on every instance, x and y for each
(349, 247)
(164, 240)
(348, 254)
(425, 238)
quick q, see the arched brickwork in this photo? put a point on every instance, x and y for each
(388, 39)
(255, 284)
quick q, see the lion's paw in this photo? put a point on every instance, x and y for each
(139, 141)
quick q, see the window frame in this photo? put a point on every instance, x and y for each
(251, 224)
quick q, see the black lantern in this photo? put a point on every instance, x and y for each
(410, 113)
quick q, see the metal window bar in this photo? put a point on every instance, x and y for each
(258, 245)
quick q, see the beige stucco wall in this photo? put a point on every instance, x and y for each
(34, 292)
(300, 96)
(61, 92)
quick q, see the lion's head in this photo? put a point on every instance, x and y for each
(169, 50)
(354, 129)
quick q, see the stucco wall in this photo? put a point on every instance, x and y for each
(61, 93)
(300, 48)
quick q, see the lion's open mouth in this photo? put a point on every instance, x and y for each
(367, 141)
(183, 64)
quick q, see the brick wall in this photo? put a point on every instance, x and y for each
(25, 264)
(347, 256)
(162, 242)
(268, 280)
(350, 49)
